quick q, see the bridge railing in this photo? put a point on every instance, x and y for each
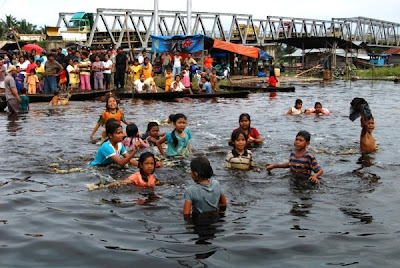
(238, 28)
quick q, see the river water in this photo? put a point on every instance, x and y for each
(49, 218)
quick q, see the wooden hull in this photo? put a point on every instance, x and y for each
(3, 105)
(174, 95)
(77, 96)
(258, 89)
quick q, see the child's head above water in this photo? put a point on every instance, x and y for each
(239, 140)
(132, 130)
(298, 104)
(152, 129)
(113, 128)
(146, 164)
(201, 169)
(244, 121)
(305, 134)
(111, 103)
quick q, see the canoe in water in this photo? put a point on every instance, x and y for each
(257, 89)
(174, 95)
(3, 105)
(76, 96)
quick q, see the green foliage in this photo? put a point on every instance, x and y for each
(22, 26)
(380, 72)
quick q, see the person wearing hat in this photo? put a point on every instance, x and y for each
(11, 93)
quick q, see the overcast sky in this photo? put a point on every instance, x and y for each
(45, 12)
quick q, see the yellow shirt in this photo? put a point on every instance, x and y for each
(136, 71)
(39, 71)
(148, 70)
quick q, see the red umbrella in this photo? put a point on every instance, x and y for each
(29, 48)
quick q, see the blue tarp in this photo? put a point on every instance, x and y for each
(264, 55)
(177, 43)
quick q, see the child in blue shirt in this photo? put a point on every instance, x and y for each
(111, 150)
(178, 139)
(19, 79)
(24, 101)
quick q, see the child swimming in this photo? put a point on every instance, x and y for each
(110, 151)
(112, 111)
(296, 109)
(301, 161)
(152, 134)
(206, 195)
(317, 110)
(253, 136)
(132, 138)
(144, 177)
(178, 139)
(239, 157)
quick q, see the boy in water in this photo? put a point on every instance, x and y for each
(301, 161)
(360, 107)
(367, 141)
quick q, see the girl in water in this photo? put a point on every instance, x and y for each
(112, 111)
(111, 150)
(144, 177)
(296, 109)
(253, 136)
(239, 157)
(318, 110)
(132, 133)
(178, 139)
(152, 134)
(206, 195)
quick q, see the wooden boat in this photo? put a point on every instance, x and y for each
(3, 105)
(76, 96)
(257, 89)
(181, 94)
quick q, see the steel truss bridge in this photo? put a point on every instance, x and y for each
(111, 26)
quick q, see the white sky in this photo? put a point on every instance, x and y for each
(45, 12)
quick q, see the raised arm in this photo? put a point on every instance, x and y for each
(159, 145)
(272, 166)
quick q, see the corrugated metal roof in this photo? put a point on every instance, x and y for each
(393, 51)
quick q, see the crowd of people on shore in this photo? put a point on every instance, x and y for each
(85, 69)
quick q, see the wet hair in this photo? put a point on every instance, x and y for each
(173, 134)
(244, 115)
(109, 97)
(171, 117)
(177, 75)
(298, 101)
(317, 103)
(132, 131)
(85, 54)
(143, 157)
(111, 127)
(305, 134)
(23, 90)
(271, 73)
(150, 125)
(235, 135)
(32, 71)
(202, 167)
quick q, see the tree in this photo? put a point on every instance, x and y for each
(26, 27)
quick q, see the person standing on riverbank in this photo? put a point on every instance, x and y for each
(11, 93)
(52, 69)
(121, 65)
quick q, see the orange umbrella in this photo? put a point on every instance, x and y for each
(30, 47)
